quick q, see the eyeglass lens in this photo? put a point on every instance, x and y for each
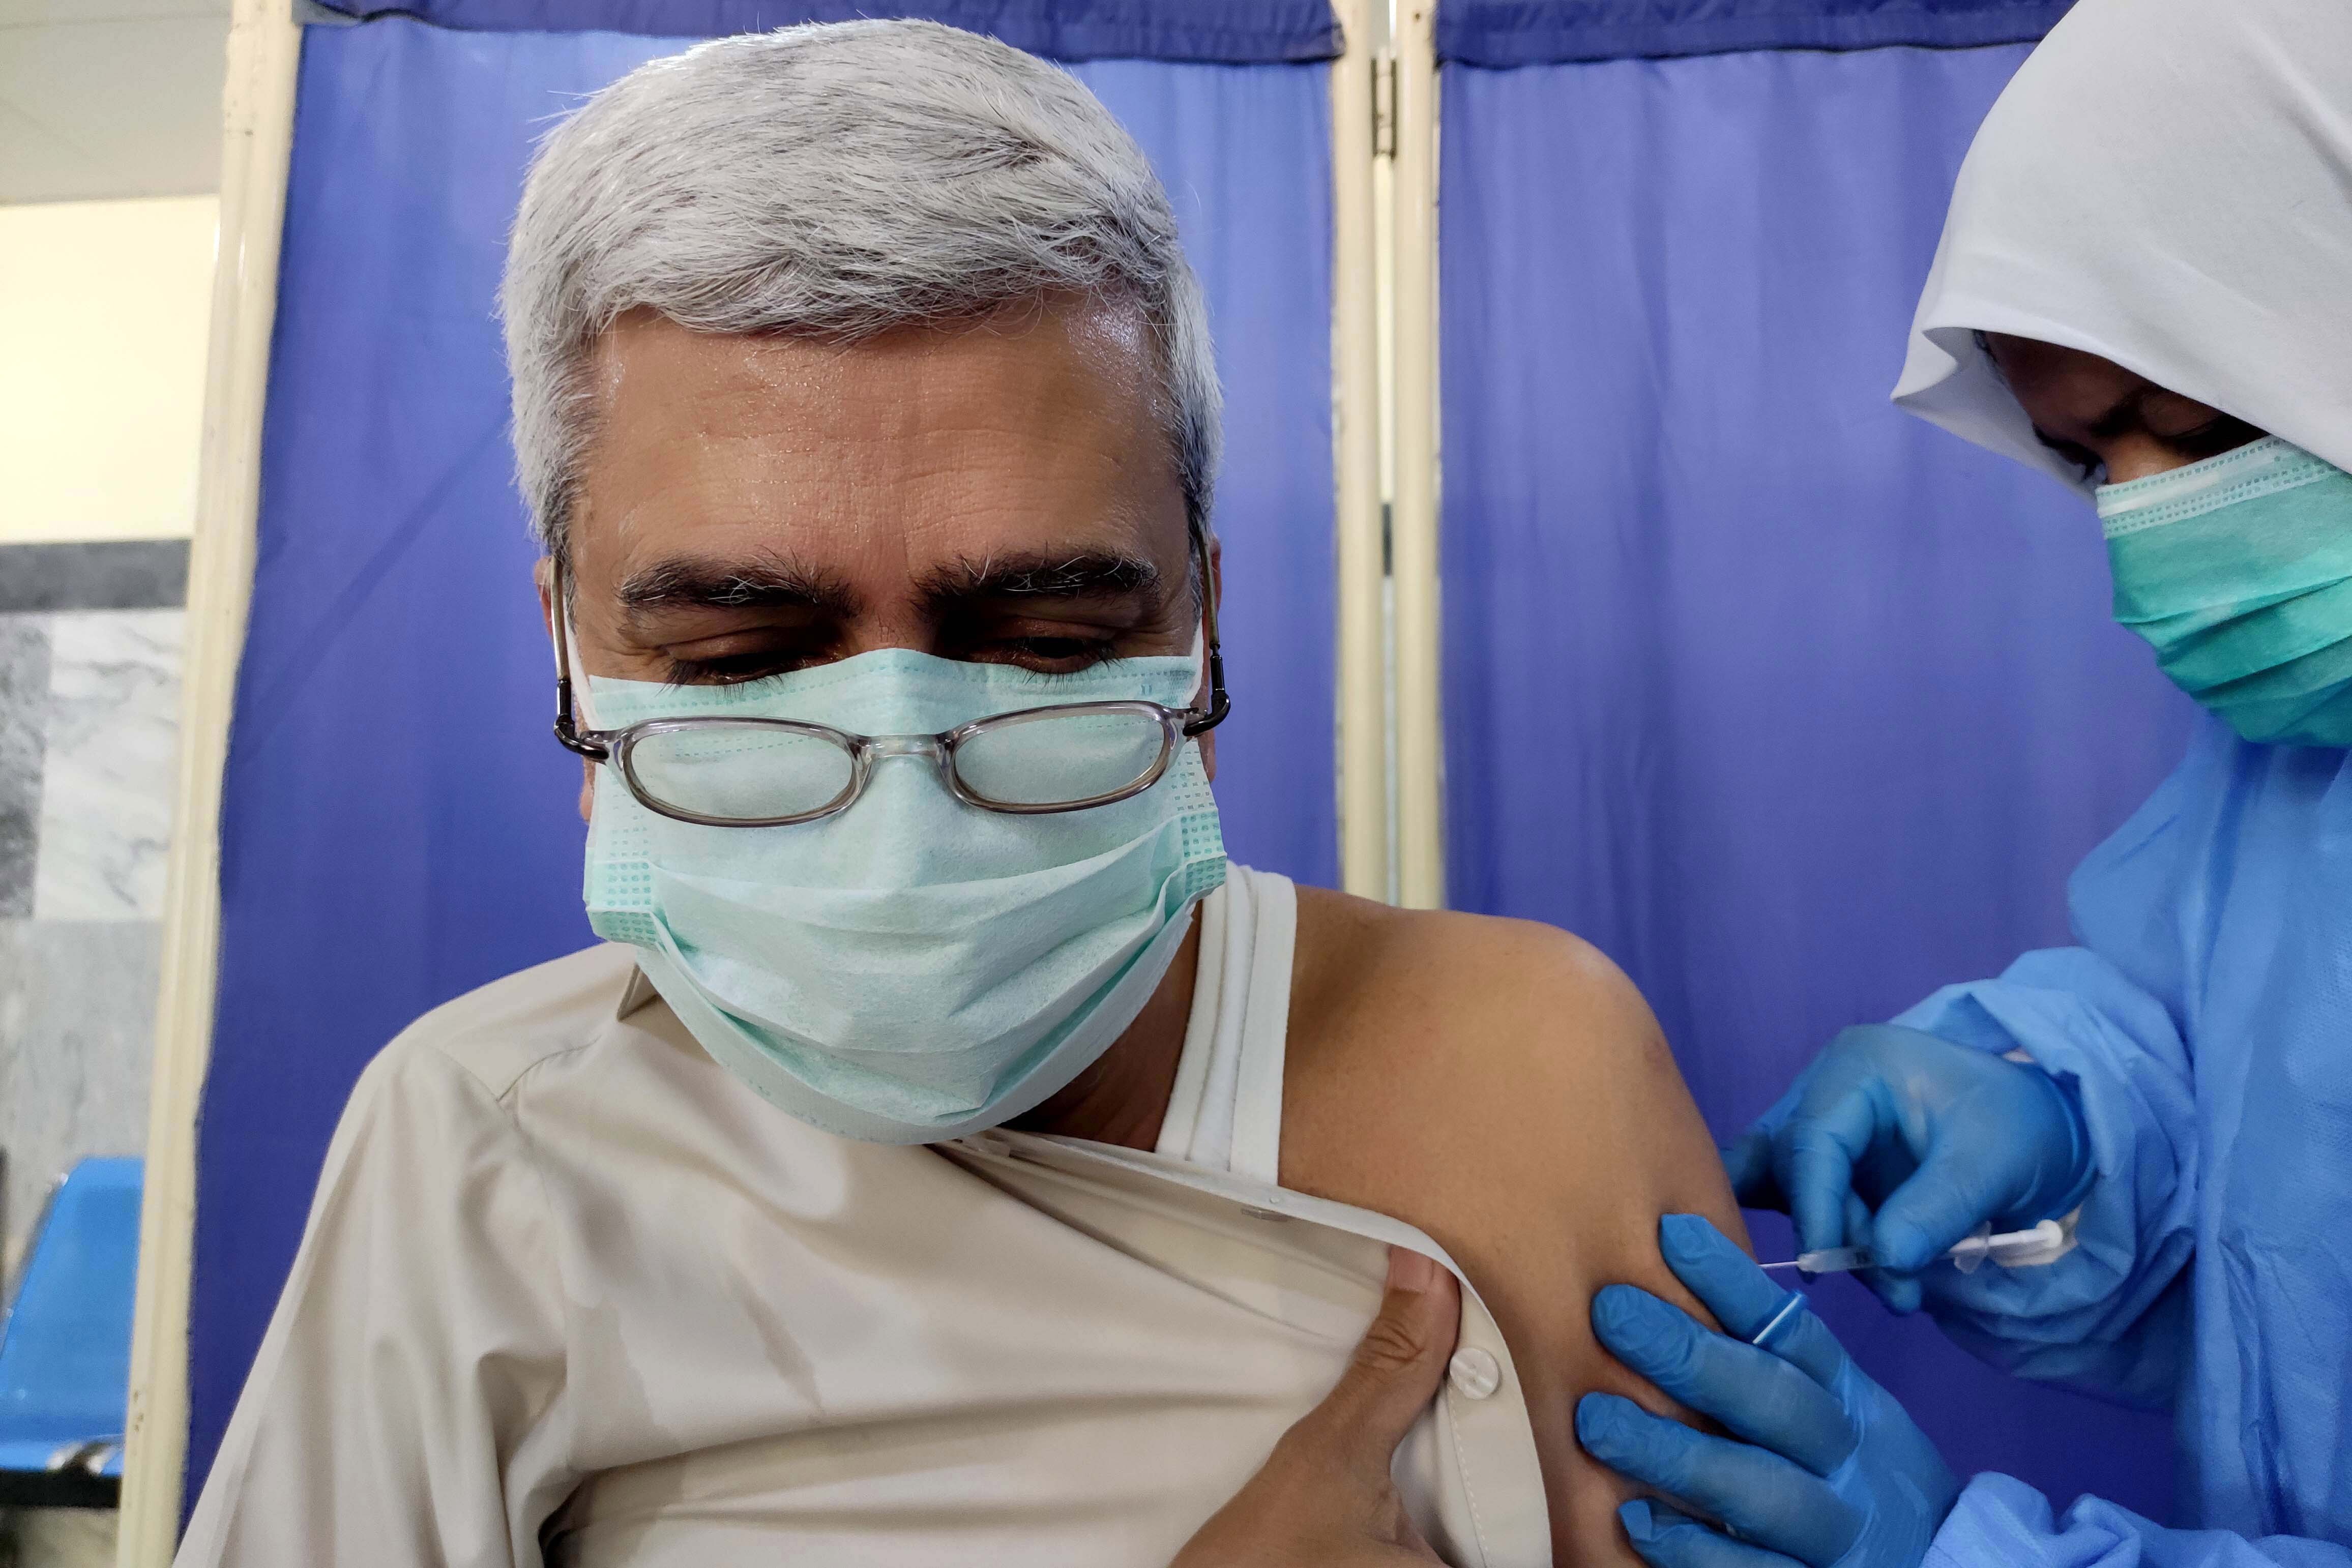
(745, 773)
(1052, 759)
(755, 772)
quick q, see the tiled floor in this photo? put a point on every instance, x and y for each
(90, 674)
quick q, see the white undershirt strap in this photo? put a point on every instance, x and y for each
(1227, 1111)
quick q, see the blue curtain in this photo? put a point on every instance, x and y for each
(1235, 32)
(398, 825)
(1794, 706)
(1539, 32)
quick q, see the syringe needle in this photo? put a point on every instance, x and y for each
(2016, 1248)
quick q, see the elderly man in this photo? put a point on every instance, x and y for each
(948, 1159)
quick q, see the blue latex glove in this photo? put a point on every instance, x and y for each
(1824, 1467)
(1936, 1138)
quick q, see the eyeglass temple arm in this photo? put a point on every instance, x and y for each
(1219, 703)
(567, 726)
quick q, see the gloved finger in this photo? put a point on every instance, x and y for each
(1744, 1298)
(1857, 1215)
(1763, 1497)
(1813, 1157)
(1666, 1539)
(1902, 1293)
(1950, 1195)
(1756, 1395)
(1748, 1163)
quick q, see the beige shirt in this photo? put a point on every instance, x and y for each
(572, 1292)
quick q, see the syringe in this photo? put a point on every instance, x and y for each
(2045, 1243)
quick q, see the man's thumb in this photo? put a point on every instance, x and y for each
(1398, 1363)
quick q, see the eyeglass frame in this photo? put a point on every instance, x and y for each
(613, 747)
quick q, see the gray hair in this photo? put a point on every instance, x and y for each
(834, 182)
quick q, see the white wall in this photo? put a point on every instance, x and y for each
(103, 310)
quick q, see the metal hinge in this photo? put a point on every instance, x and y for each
(1384, 105)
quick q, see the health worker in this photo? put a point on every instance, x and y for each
(2145, 287)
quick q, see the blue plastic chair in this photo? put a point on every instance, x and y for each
(65, 1349)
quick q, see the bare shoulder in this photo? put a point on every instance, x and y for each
(1521, 1031)
(1502, 1085)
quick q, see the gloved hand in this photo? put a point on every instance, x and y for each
(1937, 1138)
(1825, 1468)
(1326, 1497)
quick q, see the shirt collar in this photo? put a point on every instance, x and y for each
(636, 994)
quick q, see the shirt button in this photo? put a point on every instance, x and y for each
(1473, 1373)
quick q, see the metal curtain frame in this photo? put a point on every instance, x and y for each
(1359, 421)
(1411, 243)
(257, 130)
(257, 117)
(1385, 419)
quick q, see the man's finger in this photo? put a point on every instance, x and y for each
(1752, 1392)
(1666, 1539)
(1397, 1368)
(1765, 1499)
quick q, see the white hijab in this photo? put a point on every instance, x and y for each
(2167, 184)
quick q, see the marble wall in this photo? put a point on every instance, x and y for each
(90, 676)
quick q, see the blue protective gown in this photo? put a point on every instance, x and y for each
(2208, 1018)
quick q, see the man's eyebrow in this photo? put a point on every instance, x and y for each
(692, 582)
(1043, 574)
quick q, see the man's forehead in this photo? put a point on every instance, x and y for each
(920, 451)
(645, 362)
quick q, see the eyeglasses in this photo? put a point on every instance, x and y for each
(727, 772)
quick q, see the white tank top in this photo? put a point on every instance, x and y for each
(1226, 1112)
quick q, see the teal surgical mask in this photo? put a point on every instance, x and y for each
(2238, 571)
(912, 967)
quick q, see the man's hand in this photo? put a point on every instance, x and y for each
(1324, 1498)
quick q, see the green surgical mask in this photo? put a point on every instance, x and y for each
(911, 968)
(2238, 571)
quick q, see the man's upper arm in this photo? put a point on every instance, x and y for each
(418, 1339)
(1504, 1087)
